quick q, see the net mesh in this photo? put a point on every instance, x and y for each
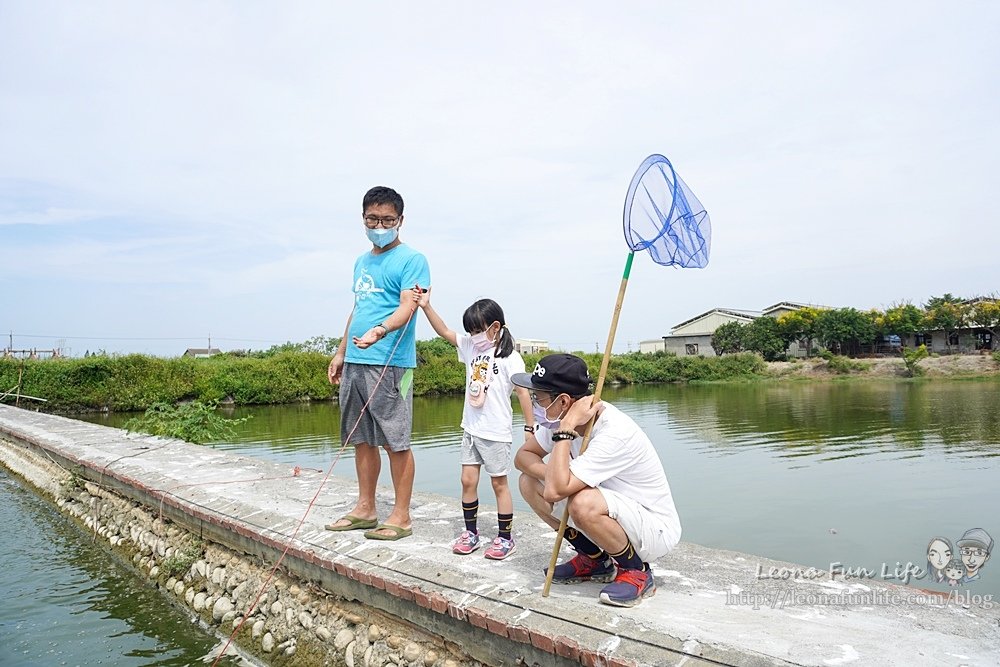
(663, 216)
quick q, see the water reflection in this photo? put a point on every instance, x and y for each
(837, 420)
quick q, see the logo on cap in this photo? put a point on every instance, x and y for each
(539, 370)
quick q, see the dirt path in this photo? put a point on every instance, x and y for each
(954, 365)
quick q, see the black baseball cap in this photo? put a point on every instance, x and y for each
(557, 374)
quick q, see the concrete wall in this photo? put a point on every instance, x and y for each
(679, 345)
(652, 345)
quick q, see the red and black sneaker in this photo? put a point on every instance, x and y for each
(629, 588)
(584, 568)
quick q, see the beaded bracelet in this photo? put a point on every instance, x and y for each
(559, 436)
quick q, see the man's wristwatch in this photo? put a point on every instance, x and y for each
(529, 429)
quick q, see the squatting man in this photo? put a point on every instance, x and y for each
(621, 512)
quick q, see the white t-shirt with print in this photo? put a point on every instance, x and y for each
(492, 420)
(621, 458)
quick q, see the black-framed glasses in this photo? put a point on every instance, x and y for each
(373, 221)
(972, 551)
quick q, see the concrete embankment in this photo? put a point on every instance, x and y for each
(206, 527)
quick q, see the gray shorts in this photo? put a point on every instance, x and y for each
(388, 419)
(493, 455)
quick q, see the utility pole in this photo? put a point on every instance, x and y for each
(11, 346)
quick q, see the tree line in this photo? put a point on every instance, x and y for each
(848, 331)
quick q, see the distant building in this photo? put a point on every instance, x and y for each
(693, 337)
(971, 338)
(531, 345)
(201, 352)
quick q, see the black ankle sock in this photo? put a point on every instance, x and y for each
(506, 522)
(470, 511)
(628, 559)
(583, 545)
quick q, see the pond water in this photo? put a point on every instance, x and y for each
(65, 602)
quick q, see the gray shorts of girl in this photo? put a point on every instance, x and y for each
(388, 419)
(493, 455)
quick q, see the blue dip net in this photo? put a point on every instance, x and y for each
(663, 216)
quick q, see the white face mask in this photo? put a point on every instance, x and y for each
(382, 237)
(541, 416)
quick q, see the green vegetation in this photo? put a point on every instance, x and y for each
(728, 338)
(194, 422)
(181, 561)
(911, 357)
(842, 365)
(136, 382)
(298, 371)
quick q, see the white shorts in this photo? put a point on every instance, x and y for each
(650, 535)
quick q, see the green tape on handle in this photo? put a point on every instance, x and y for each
(628, 266)
(406, 382)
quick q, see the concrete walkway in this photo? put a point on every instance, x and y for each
(711, 607)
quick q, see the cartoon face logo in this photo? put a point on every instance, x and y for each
(479, 369)
(975, 545)
(954, 571)
(962, 564)
(364, 286)
(939, 552)
(974, 557)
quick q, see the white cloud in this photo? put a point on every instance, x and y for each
(208, 161)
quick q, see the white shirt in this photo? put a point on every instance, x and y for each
(492, 420)
(621, 458)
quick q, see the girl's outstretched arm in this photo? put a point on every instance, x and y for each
(440, 328)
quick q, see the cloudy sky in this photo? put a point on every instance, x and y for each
(171, 171)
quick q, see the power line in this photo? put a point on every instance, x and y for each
(242, 340)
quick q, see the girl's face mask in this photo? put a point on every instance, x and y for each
(482, 341)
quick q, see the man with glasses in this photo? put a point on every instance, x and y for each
(975, 547)
(622, 514)
(374, 366)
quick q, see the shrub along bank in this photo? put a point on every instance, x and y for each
(136, 382)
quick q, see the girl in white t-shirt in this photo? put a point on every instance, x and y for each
(490, 359)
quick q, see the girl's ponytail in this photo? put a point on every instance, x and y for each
(505, 343)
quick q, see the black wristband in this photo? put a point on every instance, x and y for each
(529, 429)
(559, 436)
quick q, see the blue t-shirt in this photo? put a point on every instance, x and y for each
(378, 282)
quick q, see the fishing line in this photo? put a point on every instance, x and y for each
(343, 446)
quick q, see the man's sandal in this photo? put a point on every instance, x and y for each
(398, 533)
(354, 523)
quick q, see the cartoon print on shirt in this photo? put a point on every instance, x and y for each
(479, 383)
(479, 369)
(365, 286)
